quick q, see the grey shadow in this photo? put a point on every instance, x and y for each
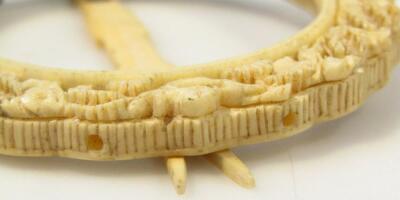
(12, 12)
(268, 8)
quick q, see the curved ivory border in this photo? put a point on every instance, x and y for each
(129, 118)
(70, 78)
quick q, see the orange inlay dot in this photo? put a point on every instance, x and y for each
(289, 119)
(94, 142)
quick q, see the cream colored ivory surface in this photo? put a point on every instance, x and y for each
(144, 110)
(343, 56)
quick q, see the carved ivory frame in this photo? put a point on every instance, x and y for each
(147, 109)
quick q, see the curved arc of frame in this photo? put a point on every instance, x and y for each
(71, 78)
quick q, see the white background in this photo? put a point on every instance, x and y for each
(356, 157)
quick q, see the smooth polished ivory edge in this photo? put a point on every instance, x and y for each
(324, 72)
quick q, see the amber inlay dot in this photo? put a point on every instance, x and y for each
(94, 142)
(289, 119)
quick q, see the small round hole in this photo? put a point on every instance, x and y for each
(94, 142)
(289, 119)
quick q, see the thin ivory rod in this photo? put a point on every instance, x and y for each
(122, 35)
(177, 170)
(232, 167)
(107, 35)
(127, 43)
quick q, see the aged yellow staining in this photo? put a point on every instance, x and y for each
(143, 110)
